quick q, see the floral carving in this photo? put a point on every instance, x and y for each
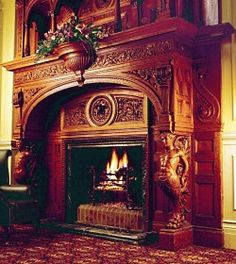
(75, 116)
(40, 73)
(159, 79)
(138, 53)
(173, 175)
(129, 109)
(29, 93)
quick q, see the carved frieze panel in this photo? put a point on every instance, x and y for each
(40, 73)
(75, 115)
(129, 109)
(105, 110)
(133, 54)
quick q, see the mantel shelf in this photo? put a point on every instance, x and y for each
(188, 33)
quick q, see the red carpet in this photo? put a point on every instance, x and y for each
(49, 247)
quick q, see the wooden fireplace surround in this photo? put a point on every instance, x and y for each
(172, 63)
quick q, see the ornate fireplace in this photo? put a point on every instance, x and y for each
(152, 93)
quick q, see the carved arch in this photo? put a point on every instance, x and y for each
(123, 79)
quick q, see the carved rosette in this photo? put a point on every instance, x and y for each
(101, 110)
(174, 174)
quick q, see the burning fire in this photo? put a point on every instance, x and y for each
(116, 164)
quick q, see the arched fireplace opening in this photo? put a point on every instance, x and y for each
(98, 154)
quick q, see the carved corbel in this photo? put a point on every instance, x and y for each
(207, 106)
(173, 175)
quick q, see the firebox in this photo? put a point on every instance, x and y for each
(105, 183)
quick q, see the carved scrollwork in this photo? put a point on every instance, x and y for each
(159, 79)
(207, 105)
(149, 75)
(173, 175)
(129, 109)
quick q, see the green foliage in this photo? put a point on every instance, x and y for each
(73, 30)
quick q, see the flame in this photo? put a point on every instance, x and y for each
(125, 160)
(116, 164)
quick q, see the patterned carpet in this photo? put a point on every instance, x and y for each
(50, 247)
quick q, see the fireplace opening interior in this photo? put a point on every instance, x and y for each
(105, 185)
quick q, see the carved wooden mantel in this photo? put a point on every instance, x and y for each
(174, 66)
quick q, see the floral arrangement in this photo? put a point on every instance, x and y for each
(73, 30)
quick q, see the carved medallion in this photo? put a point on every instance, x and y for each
(100, 110)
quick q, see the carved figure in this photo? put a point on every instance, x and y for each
(173, 175)
(23, 163)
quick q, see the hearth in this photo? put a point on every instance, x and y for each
(106, 184)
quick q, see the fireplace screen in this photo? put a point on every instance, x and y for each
(105, 184)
